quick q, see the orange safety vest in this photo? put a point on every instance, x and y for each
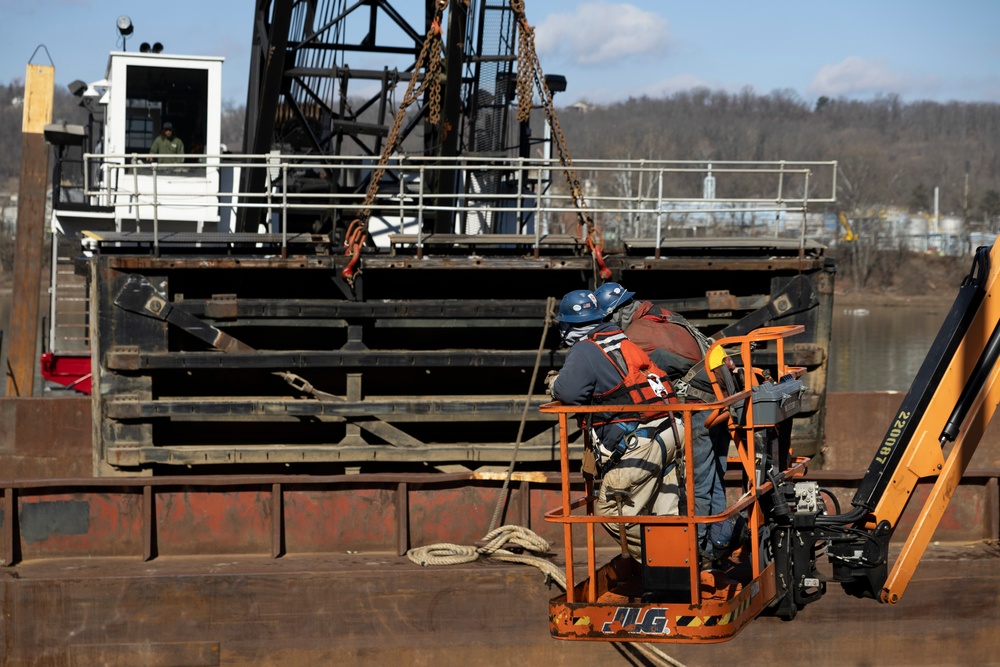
(635, 387)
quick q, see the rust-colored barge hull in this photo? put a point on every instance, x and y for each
(255, 570)
(382, 609)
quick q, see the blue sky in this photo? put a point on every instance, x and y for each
(607, 49)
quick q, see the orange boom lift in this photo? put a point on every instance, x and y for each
(668, 596)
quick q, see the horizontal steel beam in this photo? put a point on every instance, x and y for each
(223, 307)
(722, 263)
(394, 409)
(123, 455)
(486, 240)
(131, 359)
(506, 263)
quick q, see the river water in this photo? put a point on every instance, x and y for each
(881, 348)
(875, 348)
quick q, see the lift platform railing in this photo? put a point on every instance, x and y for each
(673, 539)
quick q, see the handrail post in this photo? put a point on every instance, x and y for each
(134, 197)
(640, 198)
(401, 196)
(659, 216)
(520, 194)
(805, 216)
(781, 180)
(284, 209)
(538, 212)
(156, 214)
(420, 215)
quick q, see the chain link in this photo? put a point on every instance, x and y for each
(530, 75)
(430, 60)
(534, 71)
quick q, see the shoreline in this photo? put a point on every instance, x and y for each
(880, 299)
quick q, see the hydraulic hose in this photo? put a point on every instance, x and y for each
(984, 366)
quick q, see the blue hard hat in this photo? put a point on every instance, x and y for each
(610, 296)
(579, 306)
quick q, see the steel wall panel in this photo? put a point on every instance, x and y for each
(80, 524)
(458, 514)
(340, 519)
(213, 521)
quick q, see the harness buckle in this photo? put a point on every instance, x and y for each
(681, 389)
(656, 384)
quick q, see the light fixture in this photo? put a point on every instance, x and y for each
(124, 26)
(144, 47)
(64, 134)
(157, 47)
(555, 82)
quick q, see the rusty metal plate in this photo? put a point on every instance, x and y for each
(348, 518)
(55, 525)
(195, 522)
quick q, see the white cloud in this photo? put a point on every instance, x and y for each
(601, 32)
(857, 75)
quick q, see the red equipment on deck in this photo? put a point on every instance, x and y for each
(70, 371)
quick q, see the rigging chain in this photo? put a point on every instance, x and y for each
(528, 68)
(358, 229)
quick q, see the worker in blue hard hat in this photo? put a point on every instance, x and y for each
(633, 453)
(678, 346)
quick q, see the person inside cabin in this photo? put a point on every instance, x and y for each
(633, 453)
(170, 147)
(677, 346)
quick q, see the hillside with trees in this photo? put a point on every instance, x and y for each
(890, 153)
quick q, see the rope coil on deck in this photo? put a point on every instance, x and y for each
(444, 553)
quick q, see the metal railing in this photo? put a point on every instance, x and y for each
(648, 199)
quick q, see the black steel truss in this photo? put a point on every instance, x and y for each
(310, 88)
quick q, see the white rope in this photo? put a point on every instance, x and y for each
(496, 540)
(445, 553)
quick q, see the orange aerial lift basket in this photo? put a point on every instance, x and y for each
(669, 596)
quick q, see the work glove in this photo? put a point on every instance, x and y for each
(550, 379)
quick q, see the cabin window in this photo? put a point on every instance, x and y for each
(160, 94)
